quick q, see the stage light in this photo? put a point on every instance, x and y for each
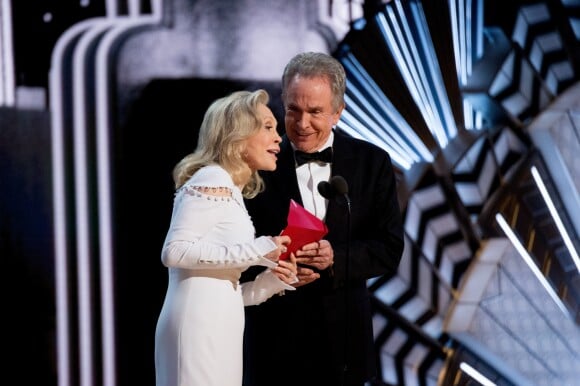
(556, 217)
(530, 262)
(476, 375)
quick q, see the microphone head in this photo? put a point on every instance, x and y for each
(325, 189)
(339, 185)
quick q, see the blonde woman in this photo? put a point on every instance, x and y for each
(211, 241)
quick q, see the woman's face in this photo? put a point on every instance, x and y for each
(262, 147)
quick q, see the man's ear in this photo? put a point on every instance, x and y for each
(337, 115)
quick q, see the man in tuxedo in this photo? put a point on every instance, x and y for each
(326, 322)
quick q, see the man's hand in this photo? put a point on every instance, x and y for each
(319, 255)
(305, 275)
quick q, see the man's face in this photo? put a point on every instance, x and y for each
(309, 114)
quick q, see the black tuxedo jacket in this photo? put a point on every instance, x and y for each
(326, 324)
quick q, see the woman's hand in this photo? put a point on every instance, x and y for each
(287, 269)
(281, 247)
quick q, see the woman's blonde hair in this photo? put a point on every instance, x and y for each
(227, 124)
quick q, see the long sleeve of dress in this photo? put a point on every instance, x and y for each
(264, 286)
(200, 234)
(210, 229)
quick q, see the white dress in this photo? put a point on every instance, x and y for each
(210, 242)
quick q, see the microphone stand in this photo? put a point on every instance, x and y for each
(346, 291)
(336, 187)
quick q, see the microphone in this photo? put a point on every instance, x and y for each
(340, 186)
(336, 187)
(325, 190)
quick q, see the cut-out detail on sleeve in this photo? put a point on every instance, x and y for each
(200, 191)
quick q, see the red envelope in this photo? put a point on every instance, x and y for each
(303, 227)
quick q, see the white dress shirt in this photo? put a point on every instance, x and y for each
(309, 176)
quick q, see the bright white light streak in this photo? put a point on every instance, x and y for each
(455, 37)
(468, 114)
(556, 217)
(473, 119)
(425, 78)
(59, 223)
(400, 58)
(103, 122)
(376, 125)
(134, 8)
(82, 83)
(438, 98)
(530, 262)
(405, 57)
(479, 118)
(57, 82)
(463, 35)
(408, 55)
(371, 135)
(476, 375)
(414, 57)
(373, 91)
(104, 211)
(469, 25)
(479, 41)
(112, 7)
(351, 125)
(467, 35)
(7, 92)
(57, 85)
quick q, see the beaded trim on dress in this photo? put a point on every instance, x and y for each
(220, 193)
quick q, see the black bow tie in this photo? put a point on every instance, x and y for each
(320, 156)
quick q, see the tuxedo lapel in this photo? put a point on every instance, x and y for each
(344, 164)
